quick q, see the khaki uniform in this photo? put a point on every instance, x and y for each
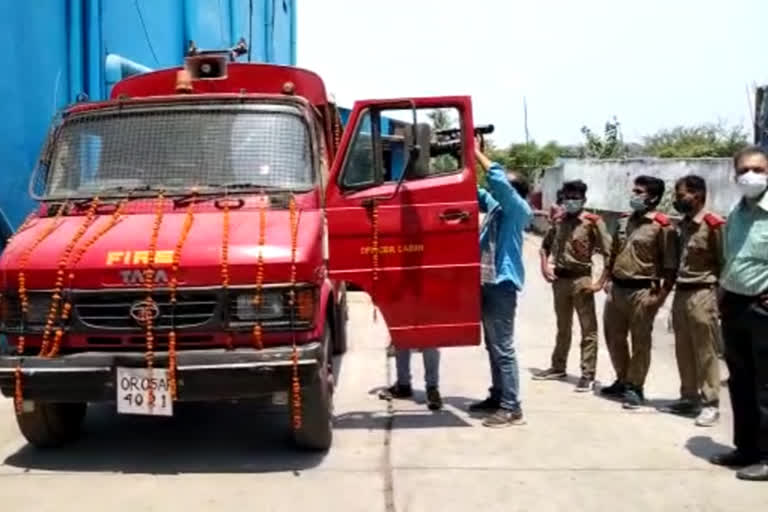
(694, 309)
(644, 248)
(571, 241)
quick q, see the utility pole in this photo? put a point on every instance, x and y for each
(525, 119)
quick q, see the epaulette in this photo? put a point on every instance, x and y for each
(592, 217)
(662, 219)
(714, 221)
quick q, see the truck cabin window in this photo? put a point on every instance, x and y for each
(380, 147)
(175, 149)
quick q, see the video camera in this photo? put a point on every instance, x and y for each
(448, 141)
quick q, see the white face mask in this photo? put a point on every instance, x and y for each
(752, 184)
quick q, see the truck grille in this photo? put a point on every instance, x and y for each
(112, 311)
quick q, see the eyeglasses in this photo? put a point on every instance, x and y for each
(758, 170)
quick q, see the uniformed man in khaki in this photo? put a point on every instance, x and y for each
(642, 268)
(571, 241)
(694, 308)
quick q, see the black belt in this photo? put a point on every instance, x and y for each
(564, 273)
(693, 286)
(635, 284)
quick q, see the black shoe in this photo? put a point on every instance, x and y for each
(755, 472)
(585, 384)
(734, 458)
(434, 401)
(504, 418)
(549, 374)
(396, 391)
(683, 407)
(489, 404)
(633, 398)
(616, 389)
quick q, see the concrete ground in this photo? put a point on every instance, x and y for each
(577, 451)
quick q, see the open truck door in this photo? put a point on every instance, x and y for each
(402, 217)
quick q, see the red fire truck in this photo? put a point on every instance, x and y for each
(197, 233)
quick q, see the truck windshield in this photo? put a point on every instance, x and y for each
(175, 149)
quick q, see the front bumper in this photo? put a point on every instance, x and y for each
(202, 375)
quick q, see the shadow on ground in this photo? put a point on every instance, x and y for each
(705, 447)
(404, 418)
(247, 437)
(200, 438)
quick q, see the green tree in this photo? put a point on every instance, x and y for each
(525, 159)
(442, 119)
(706, 140)
(608, 145)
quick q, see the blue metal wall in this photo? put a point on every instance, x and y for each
(54, 50)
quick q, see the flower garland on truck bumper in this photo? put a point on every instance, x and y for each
(78, 255)
(225, 262)
(188, 221)
(258, 335)
(18, 392)
(56, 296)
(295, 384)
(149, 281)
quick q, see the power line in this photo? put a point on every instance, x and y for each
(146, 32)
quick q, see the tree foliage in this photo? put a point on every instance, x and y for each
(608, 145)
(708, 140)
(524, 159)
(441, 119)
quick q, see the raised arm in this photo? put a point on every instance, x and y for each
(500, 188)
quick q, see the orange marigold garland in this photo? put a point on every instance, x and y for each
(56, 296)
(259, 298)
(78, 255)
(32, 216)
(295, 384)
(188, 220)
(374, 252)
(149, 281)
(225, 259)
(18, 394)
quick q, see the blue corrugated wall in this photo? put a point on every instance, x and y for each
(53, 50)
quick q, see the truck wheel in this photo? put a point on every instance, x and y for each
(316, 432)
(340, 336)
(52, 424)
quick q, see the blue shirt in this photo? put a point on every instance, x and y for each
(514, 214)
(746, 248)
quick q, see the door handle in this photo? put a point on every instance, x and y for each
(454, 216)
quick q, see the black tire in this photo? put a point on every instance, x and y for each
(340, 334)
(51, 425)
(316, 432)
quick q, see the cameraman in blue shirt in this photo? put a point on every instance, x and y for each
(501, 243)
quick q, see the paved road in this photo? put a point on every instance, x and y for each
(577, 452)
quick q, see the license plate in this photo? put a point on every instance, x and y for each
(133, 397)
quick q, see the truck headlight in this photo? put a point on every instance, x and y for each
(272, 306)
(275, 305)
(37, 310)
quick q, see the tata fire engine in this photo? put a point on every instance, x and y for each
(196, 236)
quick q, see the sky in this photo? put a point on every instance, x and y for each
(653, 64)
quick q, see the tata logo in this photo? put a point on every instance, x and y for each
(136, 276)
(144, 311)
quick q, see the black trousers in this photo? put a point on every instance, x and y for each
(745, 334)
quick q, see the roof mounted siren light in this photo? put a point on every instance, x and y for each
(212, 64)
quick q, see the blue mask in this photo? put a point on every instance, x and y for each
(637, 203)
(573, 206)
